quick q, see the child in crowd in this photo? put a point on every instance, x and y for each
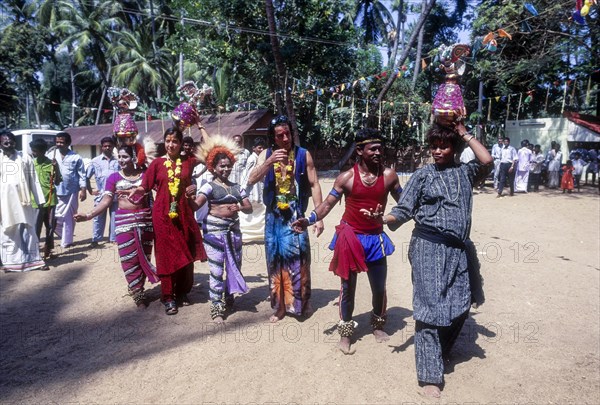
(566, 183)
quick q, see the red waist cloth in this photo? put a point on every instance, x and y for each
(348, 254)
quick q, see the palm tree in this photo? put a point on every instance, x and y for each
(375, 20)
(88, 29)
(141, 68)
(221, 85)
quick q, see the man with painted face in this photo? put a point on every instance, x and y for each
(290, 178)
(360, 244)
(19, 188)
(71, 190)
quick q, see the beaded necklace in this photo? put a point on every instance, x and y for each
(448, 191)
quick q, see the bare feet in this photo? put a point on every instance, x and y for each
(344, 345)
(276, 317)
(218, 319)
(380, 336)
(431, 391)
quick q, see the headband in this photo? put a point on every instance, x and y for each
(366, 141)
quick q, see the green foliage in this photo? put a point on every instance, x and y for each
(544, 53)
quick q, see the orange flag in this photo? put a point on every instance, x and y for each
(488, 38)
(504, 34)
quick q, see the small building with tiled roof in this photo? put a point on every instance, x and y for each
(249, 124)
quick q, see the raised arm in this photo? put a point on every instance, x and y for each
(479, 150)
(264, 164)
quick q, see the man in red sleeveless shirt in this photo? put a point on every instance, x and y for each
(360, 244)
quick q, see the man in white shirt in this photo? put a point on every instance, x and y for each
(497, 154)
(508, 160)
(71, 190)
(535, 172)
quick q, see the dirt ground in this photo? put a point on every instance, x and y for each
(72, 335)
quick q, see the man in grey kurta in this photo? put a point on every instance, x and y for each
(438, 198)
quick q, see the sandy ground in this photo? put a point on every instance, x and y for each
(71, 335)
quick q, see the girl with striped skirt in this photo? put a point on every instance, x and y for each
(222, 235)
(133, 225)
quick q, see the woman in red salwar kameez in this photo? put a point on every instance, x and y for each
(177, 240)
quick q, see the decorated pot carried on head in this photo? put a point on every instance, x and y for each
(186, 115)
(125, 129)
(448, 104)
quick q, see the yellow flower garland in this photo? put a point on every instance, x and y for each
(174, 181)
(284, 183)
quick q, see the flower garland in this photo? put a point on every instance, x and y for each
(284, 183)
(174, 181)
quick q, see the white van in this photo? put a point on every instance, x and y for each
(25, 136)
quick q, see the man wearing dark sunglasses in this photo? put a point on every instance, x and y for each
(290, 178)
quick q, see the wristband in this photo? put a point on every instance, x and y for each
(312, 218)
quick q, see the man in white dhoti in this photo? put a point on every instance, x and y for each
(253, 225)
(241, 161)
(19, 244)
(497, 155)
(70, 191)
(523, 166)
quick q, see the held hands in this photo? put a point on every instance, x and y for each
(133, 196)
(190, 191)
(301, 224)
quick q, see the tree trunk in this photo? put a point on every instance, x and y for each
(371, 122)
(428, 5)
(392, 58)
(35, 111)
(281, 71)
(103, 95)
(418, 57)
